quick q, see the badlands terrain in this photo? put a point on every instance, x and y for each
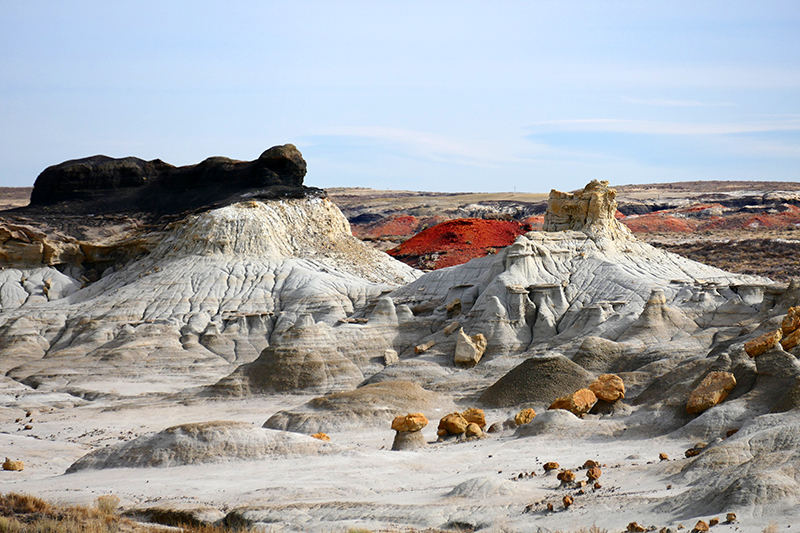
(212, 344)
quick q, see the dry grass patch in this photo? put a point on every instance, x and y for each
(23, 513)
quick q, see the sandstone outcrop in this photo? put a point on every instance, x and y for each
(762, 343)
(695, 450)
(714, 388)
(791, 341)
(578, 403)
(390, 357)
(592, 209)
(469, 348)
(424, 347)
(608, 388)
(566, 476)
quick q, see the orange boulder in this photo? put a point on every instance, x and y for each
(712, 390)
(763, 343)
(410, 422)
(578, 403)
(524, 416)
(608, 387)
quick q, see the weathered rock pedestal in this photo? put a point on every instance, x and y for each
(408, 440)
(409, 432)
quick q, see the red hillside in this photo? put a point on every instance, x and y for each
(457, 241)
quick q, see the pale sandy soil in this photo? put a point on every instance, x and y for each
(411, 486)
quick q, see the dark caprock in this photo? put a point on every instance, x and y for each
(103, 185)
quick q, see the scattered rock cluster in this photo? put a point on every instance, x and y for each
(607, 387)
(469, 423)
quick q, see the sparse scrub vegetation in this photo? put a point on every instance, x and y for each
(23, 513)
(107, 504)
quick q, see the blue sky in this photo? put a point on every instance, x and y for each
(443, 96)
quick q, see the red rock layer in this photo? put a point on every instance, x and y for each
(676, 220)
(457, 241)
(388, 226)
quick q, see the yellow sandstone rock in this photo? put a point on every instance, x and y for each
(476, 416)
(578, 403)
(608, 387)
(791, 322)
(13, 465)
(321, 436)
(410, 422)
(792, 340)
(712, 390)
(524, 416)
(452, 424)
(592, 209)
(473, 430)
(763, 343)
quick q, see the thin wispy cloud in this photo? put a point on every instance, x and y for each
(441, 148)
(648, 127)
(662, 102)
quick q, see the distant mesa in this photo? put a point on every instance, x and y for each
(104, 185)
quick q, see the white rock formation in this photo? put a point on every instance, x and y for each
(208, 297)
(205, 442)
